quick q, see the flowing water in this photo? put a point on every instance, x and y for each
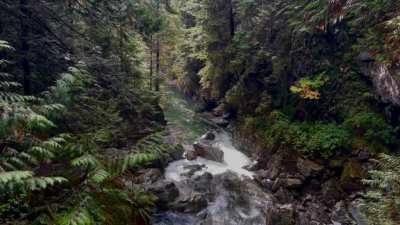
(232, 196)
(187, 125)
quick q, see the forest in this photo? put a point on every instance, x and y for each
(200, 112)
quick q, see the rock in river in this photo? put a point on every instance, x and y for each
(205, 147)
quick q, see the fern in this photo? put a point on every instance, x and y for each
(40, 183)
(4, 45)
(37, 121)
(382, 204)
(88, 161)
(17, 176)
(99, 176)
(76, 216)
(26, 180)
(136, 160)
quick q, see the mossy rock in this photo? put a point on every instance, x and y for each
(336, 163)
(374, 148)
(352, 174)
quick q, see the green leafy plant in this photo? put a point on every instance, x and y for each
(371, 127)
(382, 203)
(309, 88)
(324, 140)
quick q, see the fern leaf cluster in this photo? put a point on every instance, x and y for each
(36, 160)
(382, 203)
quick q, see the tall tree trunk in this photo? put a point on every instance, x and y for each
(158, 75)
(121, 51)
(24, 37)
(232, 18)
(151, 62)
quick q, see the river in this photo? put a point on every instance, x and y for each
(227, 191)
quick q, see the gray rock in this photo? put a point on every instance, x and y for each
(309, 168)
(341, 215)
(364, 155)
(292, 183)
(204, 148)
(283, 196)
(287, 214)
(220, 121)
(209, 136)
(148, 176)
(276, 185)
(165, 191)
(252, 167)
(356, 213)
(365, 57)
(192, 169)
(330, 190)
(193, 204)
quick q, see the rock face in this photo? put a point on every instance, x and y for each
(386, 84)
(205, 147)
(308, 191)
(386, 81)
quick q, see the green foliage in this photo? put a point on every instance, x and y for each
(317, 139)
(382, 203)
(29, 144)
(235, 96)
(99, 207)
(324, 139)
(309, 88)
(371, 127)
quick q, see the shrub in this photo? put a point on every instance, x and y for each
(324, 139)
(371, 127)
(315, 139)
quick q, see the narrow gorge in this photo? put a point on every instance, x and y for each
(199, 112)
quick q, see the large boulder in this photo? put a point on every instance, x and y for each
(205, 148)
(191, 170)
(309, 168)
(165, 191)
(348, 213)
(351, 176)
(148, 176)
(193, 204)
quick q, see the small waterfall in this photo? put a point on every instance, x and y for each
(234, 161)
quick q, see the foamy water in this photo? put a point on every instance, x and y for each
(234, 161)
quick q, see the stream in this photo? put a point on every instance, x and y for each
(216, 193)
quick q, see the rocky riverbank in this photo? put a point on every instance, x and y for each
(315, 191)
(215, 184)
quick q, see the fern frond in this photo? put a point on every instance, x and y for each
(36, 121)
(99, 176)
(40, 183)
(137, 160)
(88, 161)
(41, 152)
(49, 108)
(14, 176)
(4, 45)
(9, 84)
(77, 216)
